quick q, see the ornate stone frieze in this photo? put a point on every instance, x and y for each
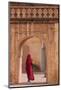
(41, 13)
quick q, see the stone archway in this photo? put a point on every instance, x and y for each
(49, 38)
(26, 44)
(26, 21)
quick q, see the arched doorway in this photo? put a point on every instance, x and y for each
(35, 47)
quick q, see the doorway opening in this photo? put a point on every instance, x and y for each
(34, 47)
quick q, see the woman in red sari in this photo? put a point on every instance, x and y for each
(29, 69)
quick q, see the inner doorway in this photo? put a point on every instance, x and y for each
(36, 49)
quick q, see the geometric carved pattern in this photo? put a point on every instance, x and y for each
(23, 13)
(39, 12)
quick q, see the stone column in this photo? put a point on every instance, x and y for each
(32, 27)
(27, 29)
(20, 67)
(52, 62)
(56, 53)
(17, 50)
(13, 77)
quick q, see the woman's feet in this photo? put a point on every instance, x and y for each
(29, 81)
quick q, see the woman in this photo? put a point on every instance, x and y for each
(29, 69)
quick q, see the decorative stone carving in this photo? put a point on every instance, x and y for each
(31, 22)
(23, 13)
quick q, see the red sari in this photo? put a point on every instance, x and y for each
(29, 69)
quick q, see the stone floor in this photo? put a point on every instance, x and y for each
(39, 78)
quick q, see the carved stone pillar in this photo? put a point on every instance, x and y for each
(52, 62)
(13, 76)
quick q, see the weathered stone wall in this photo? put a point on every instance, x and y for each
(26, 21)
(48, 36)
(52, 62)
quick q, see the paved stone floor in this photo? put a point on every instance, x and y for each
(38, 78)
